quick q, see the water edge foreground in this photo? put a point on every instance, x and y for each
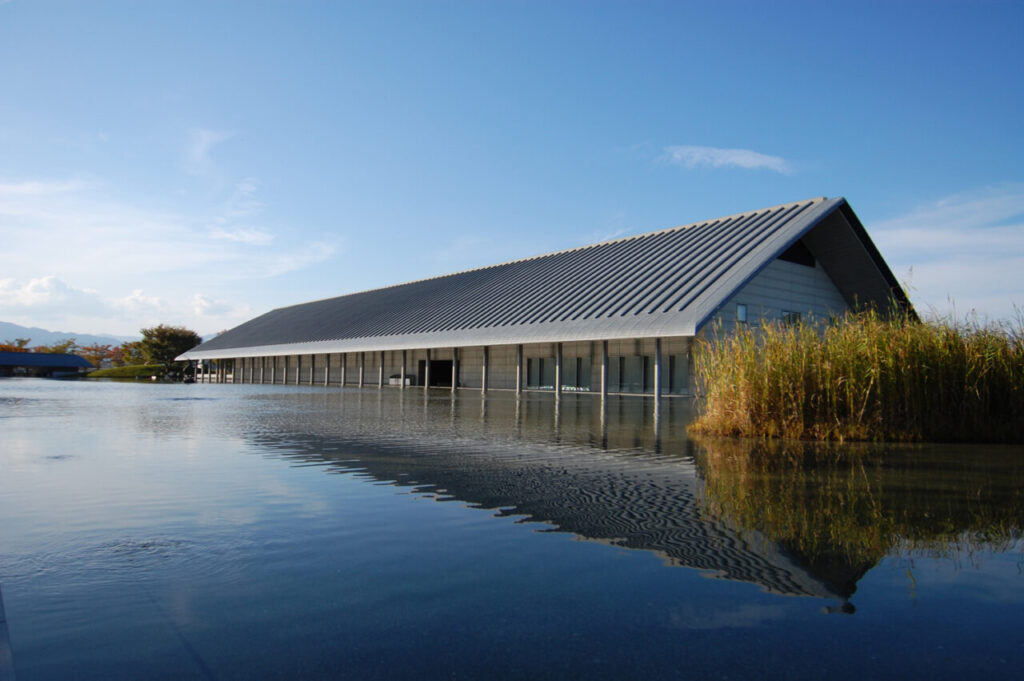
(245, 531)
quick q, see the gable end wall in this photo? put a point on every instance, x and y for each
(784, 286)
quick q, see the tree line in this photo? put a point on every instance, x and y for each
(159, 345)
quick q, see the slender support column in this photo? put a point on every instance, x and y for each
(327, 369)
(604, 369)
(362, 368)
(657, 369)
(380, 370)
(519, 369)
(558, 368)
(426, 371)
(401, 376)
(344, 366)
(312, 367)
(455, 369)
(273, 370)
(483, 371)
(263, 368)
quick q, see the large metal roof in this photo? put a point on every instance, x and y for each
(664, 283)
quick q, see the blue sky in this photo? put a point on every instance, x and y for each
(201, 163)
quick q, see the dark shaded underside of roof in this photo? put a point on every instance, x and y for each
(654, 275)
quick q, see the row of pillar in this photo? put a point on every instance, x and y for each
(221, 371)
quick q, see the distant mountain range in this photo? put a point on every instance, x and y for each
(37, 336)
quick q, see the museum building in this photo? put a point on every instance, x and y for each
(614, 317)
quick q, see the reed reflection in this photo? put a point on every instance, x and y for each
(839, 510)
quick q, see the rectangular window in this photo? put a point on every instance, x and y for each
(532, 372)
(577, 373)
(741, 313)
(790, 318)
(547, 373)
(633, 370)
(614, 374)
(678, 374)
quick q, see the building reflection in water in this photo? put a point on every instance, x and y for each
(795, 519)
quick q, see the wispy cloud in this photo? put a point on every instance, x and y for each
(201, 142)
(242, 205)
(966, 249)
(691, 157)
(120, 265)
(37, 188)
(255, 237)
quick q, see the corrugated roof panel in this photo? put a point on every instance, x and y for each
(658, 283)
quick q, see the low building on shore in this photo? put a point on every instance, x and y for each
(42, 364)
(614, 317)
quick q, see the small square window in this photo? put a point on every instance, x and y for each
(790, 318)
(741, 313)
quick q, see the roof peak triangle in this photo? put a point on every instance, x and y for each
(668, 282)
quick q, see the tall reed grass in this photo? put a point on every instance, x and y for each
(865, 377)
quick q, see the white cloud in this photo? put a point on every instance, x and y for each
(256, 237)
(201, 142)
(73, 253)
(138, 303)
(203, 306)
(37, 188)
(961, 253)
(45, 293)
(715, 157)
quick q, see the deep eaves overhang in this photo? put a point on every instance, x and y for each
(661, 284)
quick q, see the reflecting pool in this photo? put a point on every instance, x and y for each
(245, 531)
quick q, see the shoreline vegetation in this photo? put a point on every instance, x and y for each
(865, 378)
(131, 371)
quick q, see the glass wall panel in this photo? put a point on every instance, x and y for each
(569, 373)
(533, 372)
(632, 380)
(679, 374)
(576, 373)
(547, 373)
(614, 374)
(583, 373)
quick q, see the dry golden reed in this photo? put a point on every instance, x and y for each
(865, 377)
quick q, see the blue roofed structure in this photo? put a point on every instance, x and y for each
(45, 364)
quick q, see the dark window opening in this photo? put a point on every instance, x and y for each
(798, 253)
(440, 373)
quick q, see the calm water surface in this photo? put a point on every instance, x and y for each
(236, 532)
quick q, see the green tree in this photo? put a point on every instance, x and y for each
(161, 344)
(128, 353)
